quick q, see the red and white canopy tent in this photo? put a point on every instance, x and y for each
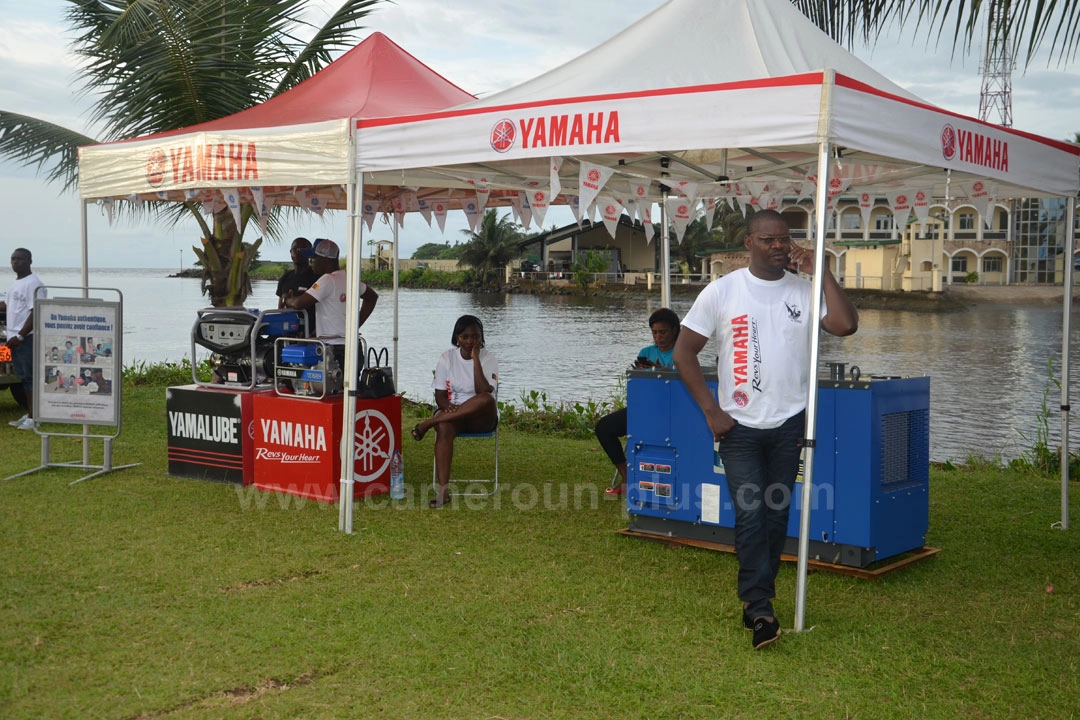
(711, 99)
(295, 149)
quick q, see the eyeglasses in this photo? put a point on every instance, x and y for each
(770, 239)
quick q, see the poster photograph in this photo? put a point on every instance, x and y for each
(77, 361)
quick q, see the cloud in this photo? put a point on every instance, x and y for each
(482, 46)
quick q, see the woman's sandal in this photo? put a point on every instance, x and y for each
(436, 503)
(415, 432)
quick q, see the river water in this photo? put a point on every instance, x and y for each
(988, 366)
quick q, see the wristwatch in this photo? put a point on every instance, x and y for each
(19, 337)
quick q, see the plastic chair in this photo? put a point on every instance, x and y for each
(492, 482)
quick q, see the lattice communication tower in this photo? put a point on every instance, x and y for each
(995, 97)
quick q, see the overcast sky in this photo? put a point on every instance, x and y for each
(482, 46)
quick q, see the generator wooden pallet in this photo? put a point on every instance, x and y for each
(870, 572)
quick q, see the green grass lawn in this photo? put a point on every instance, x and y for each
(137, 595)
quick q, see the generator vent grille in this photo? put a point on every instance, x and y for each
(905, 443)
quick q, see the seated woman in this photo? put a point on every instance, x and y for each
(466, 377)
(665, 325)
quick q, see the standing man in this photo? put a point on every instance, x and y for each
(327, 295)
(295, 282)
(760, 317)
(20, 327)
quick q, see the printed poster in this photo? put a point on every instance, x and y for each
(77, 361)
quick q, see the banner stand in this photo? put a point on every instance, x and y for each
(78, 373)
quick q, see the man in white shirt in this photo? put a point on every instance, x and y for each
(328, 297)
(19, 307)
(760, 319)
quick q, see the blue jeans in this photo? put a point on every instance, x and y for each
(761, 466)
(22, 359)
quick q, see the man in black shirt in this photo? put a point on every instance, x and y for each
(296, 282)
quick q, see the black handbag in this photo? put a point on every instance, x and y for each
(376, 379)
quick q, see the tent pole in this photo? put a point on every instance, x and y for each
(354, 191)
(395, 336)
(1066, 331)
(821, 221)
(665, 252)
(84, 237)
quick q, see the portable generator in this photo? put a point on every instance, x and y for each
(871, 474)
(241, 342)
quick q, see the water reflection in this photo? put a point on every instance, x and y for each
(988, 367)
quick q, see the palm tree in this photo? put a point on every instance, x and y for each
(1024, 25)
(156, 65)
(492, 246)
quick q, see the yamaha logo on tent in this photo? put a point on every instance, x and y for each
(155, 168)
(948, 142)
(502, 136)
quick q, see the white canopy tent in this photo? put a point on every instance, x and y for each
(741, 99)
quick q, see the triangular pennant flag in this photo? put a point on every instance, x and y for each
(591, 180)
(438, 209)
(526, 209)
(538, 203)
(645, 209)
(575, 208)
(367, 212)
(556, 182)
(262, 209)
(686, 188)
(678, 210)
(515, 208)
(710, 212)
(483, 192)
(231, 196)
(755, 188)
(425, 209)
(472, 212)
(983, 195)
(866, 206)
(921, 206)
(135, 200)
(400, 208)
(900, 204)
(609, 213)
(309, 200)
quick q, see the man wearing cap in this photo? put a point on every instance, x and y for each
(297, 280)
(328, 296)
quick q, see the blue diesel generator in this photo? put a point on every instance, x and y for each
(871, 468)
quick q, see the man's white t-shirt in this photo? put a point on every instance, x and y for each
(454, 374)
(762, 331)
(329, 292)
(20, 301)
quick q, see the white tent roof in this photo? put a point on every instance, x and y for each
(734, 89)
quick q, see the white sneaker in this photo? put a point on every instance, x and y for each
(17, 423)
(26, 424)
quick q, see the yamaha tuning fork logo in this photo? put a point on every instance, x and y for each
(502, 136)
(948, 142)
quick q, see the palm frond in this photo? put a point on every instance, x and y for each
(51, 148)
(335, 35)
(1023, 26)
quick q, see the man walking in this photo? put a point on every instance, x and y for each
(760, 318)
(20, 327)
